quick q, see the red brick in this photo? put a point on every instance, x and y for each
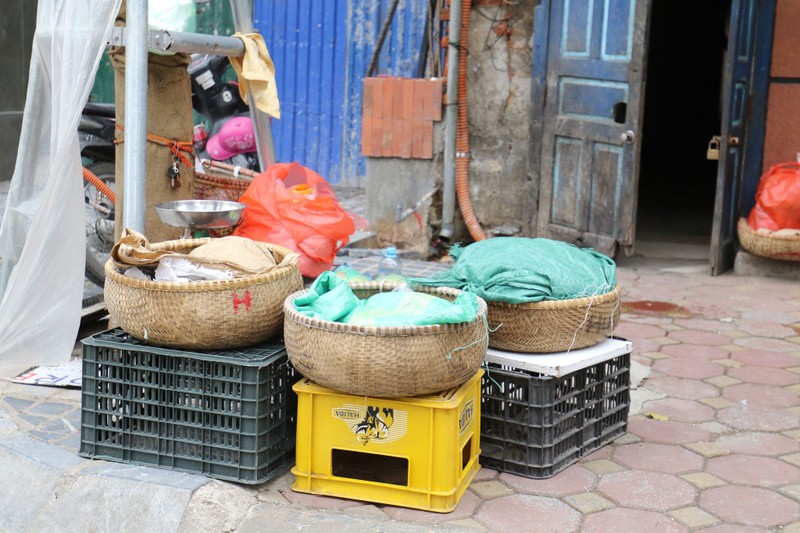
(366, 135)
(786, 40)
(386, 141)
(388, 97)
(367, 100)
(398, 106)
(403, 131)
(408, 99)
(783, 124)
(419, 99)
(377, 97)
(427, 140)
(417, 138)
(398, 134)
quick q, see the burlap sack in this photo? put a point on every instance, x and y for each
(169, 115)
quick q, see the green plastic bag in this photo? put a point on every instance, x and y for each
(331, 298)
(521, 270)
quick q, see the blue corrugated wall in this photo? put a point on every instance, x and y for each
(321, 50)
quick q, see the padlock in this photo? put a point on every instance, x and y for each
(712, 154)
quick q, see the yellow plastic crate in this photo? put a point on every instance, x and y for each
(417, 452)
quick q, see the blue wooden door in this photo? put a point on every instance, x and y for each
(588, 73)
(743, 57)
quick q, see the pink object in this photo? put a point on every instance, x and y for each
(237, 136)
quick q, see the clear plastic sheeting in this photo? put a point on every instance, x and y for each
(42, 237)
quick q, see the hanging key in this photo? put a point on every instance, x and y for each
(173, 172)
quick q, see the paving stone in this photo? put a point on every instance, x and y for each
(654, 491)
(702, 324)
(366, 511)
(679, 410)
(664, 341)
(765, 395)
(677, 367)
(638, 331)
(753, 470)
(36, 450)
(792, 491)
(703, 338)
(466, 508)
(312, 501)
(732, 348)
(519, 513)
(627, 438)
(18, 404)
(707, 449)
(34, 421)
(793, 459)
(272, 496)
(569, 481)
(659, 355)
(792, 434)
(764, 375)
(717, 403)
(488, 490)
(143, 474)
(688, 389)
(603, 467)
(217, 506)
(791, 528)
(765, 358)
(693, 517)
(49, 408)
(589, 502)
(732, 528)
(723, 381)
(658, 458)
(630, 521)
(749, 417)
(714, 428)
(750, 506)
(765, 329)
(759, 443)
(763, 343)
(484, 474)
(468, 524)
(734, 334)
(728, 363)
(703, 480)
(22, 504)
(667, 432)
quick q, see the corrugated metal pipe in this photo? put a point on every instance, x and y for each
(457, 155)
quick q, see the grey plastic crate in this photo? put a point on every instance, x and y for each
(224, 414)
(534, 425)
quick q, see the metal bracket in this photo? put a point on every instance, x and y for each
(177, 41)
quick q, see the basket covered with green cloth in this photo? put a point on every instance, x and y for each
(543, 295)
(385, 339)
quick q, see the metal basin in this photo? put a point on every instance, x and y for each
(200, 214)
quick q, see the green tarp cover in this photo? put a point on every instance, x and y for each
(331, 298)
(521, 270)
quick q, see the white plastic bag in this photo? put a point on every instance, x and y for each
(42, 237)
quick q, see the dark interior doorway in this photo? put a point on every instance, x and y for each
(682, 112)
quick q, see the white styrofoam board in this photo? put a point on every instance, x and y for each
(561, 363)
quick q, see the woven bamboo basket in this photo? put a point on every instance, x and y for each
(769, 245)
(385, 362)
(553, 326)
(205, 315)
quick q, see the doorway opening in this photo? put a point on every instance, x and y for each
(683, 94)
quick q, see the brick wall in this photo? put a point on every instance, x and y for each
(782, 140)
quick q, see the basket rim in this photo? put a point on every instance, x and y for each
(564, 304)
(202, 286)
(290, 313)
(744, 227)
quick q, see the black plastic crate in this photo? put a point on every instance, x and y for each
(536, 425)
(224, 414)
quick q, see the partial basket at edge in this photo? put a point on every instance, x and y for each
(769, 245)
(553, 326)
(381, 361)
(205, 315)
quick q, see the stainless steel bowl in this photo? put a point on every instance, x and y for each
(200, 214)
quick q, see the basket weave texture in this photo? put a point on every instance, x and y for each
(782, 247)
(553, 326)
(381, 361)
(205, 315)
(218, 182)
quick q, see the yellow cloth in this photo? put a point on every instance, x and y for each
(256, 74)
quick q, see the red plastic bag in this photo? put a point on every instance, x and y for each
(295, 207)
(777, 199)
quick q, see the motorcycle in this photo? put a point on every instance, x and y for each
(224, 133)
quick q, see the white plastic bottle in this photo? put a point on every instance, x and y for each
(390, 263)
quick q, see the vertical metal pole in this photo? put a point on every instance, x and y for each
(451, 119)
(135, 115)
(243, 22)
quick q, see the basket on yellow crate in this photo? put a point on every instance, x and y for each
(782, 244)
(553, 326)
(205, 315)
(384, 361)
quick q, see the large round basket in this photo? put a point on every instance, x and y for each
(785, 247)
(204, 315)
(553, 326)
(385, 362)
